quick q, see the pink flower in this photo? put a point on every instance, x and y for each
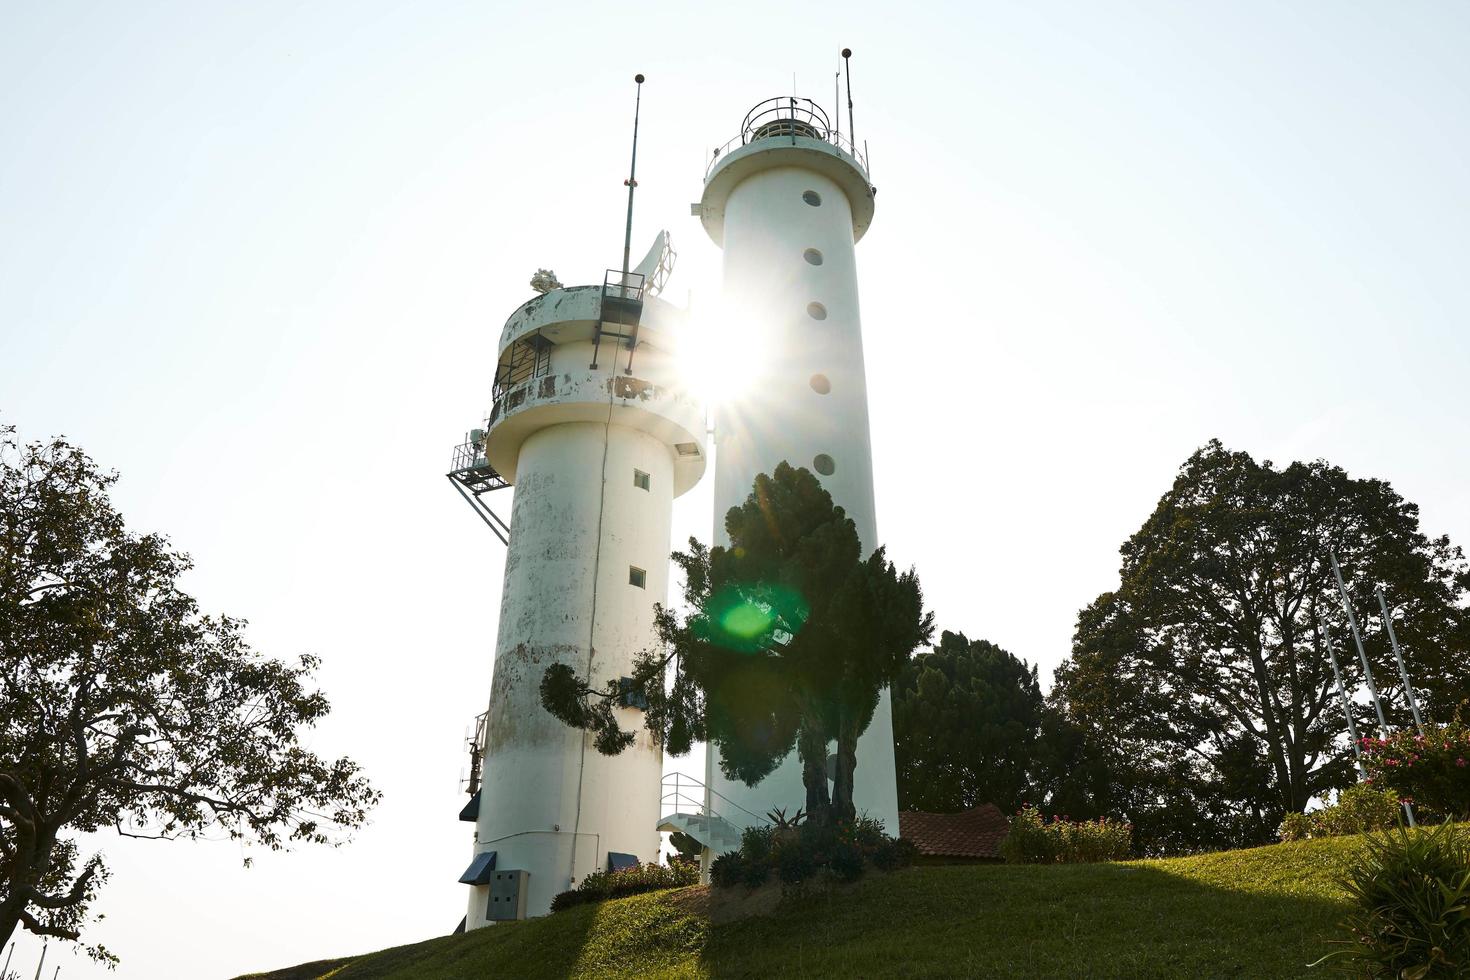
(1460, 763)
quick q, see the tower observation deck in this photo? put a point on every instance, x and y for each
(787, 200)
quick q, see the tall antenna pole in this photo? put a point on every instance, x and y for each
(632, 183)
(1347, 710)
(851, 129)
(1399, 656)
(8, 955)
(837, 102)
(42, 963)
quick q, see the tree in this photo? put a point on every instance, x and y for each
(966, 718)
(1206, 672)
(791, 637)
(686, 848)
(122, 705)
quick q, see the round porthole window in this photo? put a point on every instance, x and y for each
(816, 311)
(820, 384)
(812, 198)
(824, 465)
(812, 256)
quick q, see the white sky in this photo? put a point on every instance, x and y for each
(257, 258)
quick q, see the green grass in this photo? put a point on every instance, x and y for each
(1258, 913)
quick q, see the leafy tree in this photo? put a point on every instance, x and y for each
(966, 719)
(791, 639)
(1205, 676)
(122, 705)
(686, 848)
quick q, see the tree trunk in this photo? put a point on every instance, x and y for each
(811, 748)
(843, 808)
(9, 919)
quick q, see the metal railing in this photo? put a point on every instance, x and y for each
(468, 455)
(789, 117)
(528, 357)
(618, 285)
(683, 793)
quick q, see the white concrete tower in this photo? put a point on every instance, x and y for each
(787, 201)
(595, 431)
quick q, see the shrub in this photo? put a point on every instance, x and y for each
(795, 851)
(796, 860)
(727, 870)
(1411, 892)
(755, 843)
(1033, 839)
(1359, 809)
(630, 881)
(895, 853)
(1430, 770)
(846, 861)
(1295, 826)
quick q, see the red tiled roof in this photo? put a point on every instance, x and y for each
(975, 833)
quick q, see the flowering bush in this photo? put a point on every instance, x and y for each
(1430, 770)
(629, 881)
(1034, 839)
(1358, 810)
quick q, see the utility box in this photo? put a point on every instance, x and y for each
(507, 895)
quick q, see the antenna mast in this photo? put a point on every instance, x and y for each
(632, 181)
(847, 65)
(837, 102)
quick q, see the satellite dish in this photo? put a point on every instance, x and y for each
(657, 265)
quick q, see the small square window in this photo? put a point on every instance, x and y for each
(640, 479)
(638, 577)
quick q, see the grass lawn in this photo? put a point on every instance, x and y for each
(1264, 912)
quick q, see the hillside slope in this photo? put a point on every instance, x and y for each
(1264, 912)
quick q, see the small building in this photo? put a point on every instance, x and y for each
(970, 837)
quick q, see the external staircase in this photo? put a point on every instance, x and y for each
(690, 807)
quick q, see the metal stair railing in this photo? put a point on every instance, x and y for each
(681, 791)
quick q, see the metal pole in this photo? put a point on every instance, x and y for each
(1347, 607)
(7, 960)
(1347, 710)
(851, 129)
(632, 182)
(837, 102)
(1399, 656)
(43, 959)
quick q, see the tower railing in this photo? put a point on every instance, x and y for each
(788, 117)
(683, 793)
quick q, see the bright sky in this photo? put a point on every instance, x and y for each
(257, 259)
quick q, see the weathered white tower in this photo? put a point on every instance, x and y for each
(593, 428)
(787, 200)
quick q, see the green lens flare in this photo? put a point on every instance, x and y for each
(746, 620)
(756, 617)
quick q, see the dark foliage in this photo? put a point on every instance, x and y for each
(966, 720)
(797, 851)
(686, 848)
